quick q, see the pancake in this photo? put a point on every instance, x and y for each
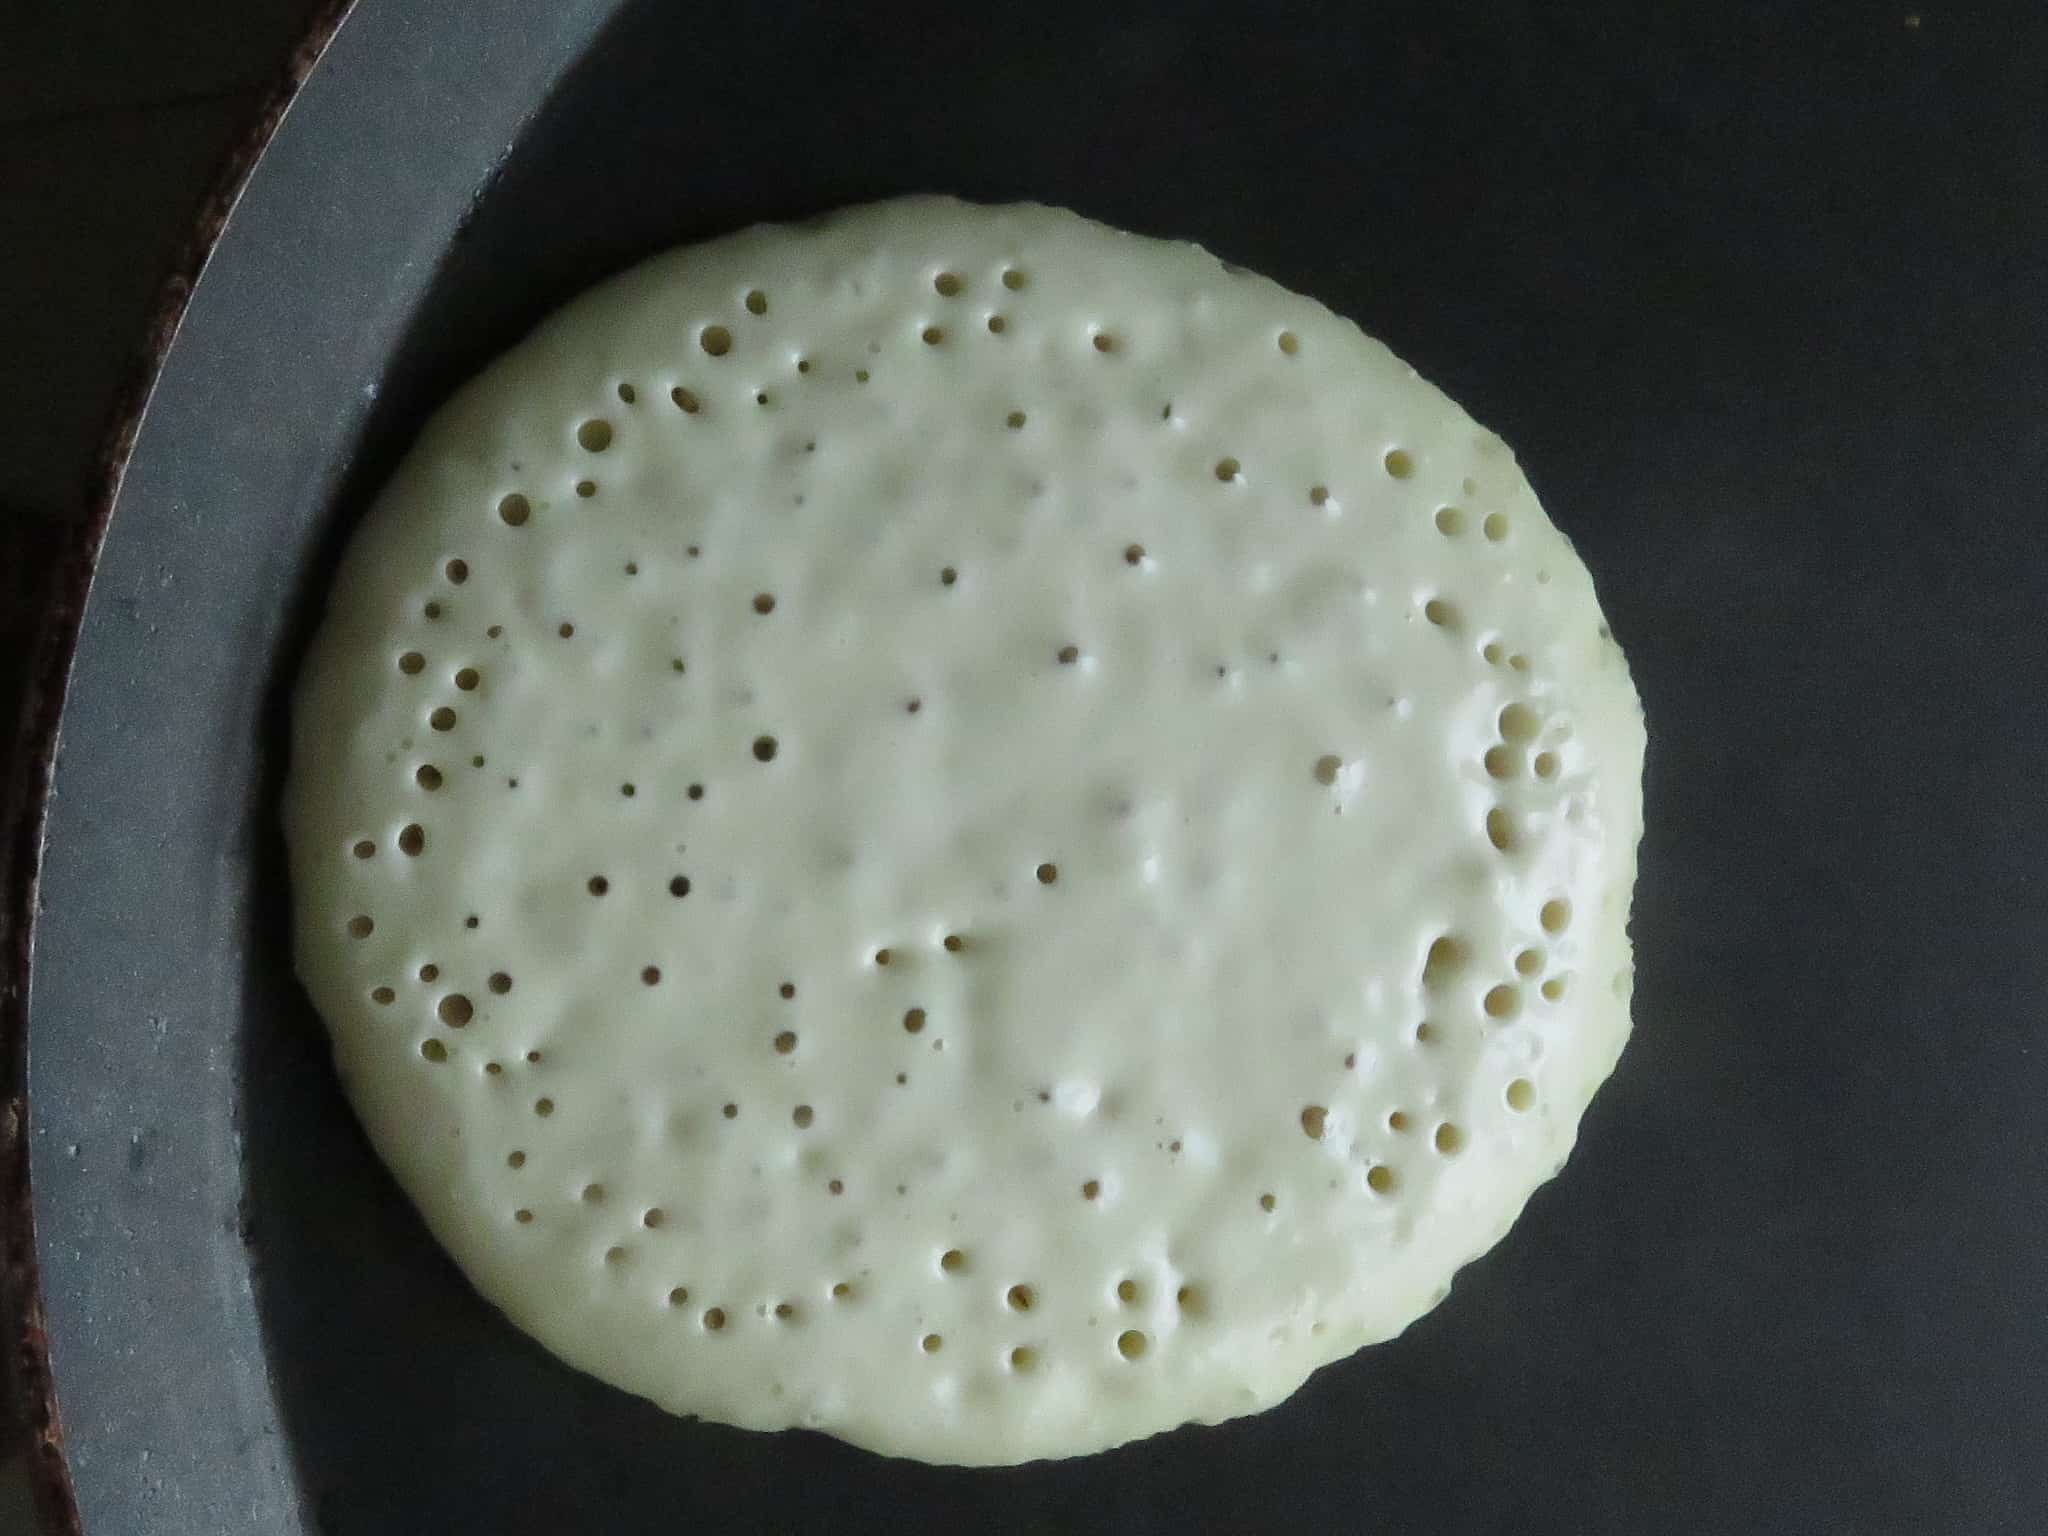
(963, 829)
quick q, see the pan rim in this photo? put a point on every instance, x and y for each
(35, 733)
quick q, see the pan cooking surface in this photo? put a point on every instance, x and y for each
(1758, 301)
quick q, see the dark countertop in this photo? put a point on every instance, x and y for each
(114, 119)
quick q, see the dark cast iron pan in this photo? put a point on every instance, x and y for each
(1759, 293)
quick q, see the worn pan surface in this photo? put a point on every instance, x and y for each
(1760, 295)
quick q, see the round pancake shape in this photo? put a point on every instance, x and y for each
(964, 829)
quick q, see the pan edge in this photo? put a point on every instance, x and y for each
(34, 739)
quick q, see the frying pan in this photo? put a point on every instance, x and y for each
(1758, 292)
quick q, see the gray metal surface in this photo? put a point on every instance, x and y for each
(145, 1275)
